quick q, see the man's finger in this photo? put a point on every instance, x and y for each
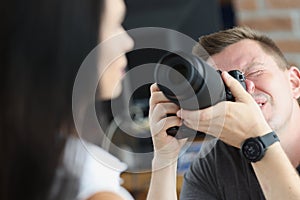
(203, 114)
(154, 88)
(235, 87)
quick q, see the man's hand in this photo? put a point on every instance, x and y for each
(166, 147)
(232, 122)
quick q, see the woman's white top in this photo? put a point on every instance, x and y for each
(97, 169)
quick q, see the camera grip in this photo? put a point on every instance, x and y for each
(183, 132)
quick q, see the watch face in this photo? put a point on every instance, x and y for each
(253, 149)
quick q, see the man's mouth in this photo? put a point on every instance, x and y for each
(260, 102)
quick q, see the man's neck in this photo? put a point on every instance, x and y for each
(290, 137)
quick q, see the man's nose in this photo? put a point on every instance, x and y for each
(250, 86)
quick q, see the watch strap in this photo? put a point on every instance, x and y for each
(268, 139)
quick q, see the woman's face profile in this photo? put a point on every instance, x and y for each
(114, 42)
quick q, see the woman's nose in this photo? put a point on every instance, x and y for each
(129, 42)
(250, 86)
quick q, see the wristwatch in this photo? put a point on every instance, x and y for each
(253, 149)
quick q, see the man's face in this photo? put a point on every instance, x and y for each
(267, 83)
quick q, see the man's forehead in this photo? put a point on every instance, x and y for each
(242, 67)
(241, 55)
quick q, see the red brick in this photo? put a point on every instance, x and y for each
(241, 5)
(289, 45)
(269, 23)
(282, 4)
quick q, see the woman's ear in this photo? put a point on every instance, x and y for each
(294, 75)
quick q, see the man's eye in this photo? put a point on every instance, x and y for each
(255, 73)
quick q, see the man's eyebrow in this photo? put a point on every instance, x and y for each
(251, 65)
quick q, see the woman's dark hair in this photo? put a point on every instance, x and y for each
(43, 45)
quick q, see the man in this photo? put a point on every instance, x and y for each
(238, 167)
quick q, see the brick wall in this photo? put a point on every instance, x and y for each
(280, 19)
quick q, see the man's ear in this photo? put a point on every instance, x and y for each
(294, 74)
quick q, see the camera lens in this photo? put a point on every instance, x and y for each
(188, 81)
(179, 74)
(192, 84)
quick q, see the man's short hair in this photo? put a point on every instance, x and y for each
(216, 42)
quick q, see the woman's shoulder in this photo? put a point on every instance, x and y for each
(100, 170)
(81, 152)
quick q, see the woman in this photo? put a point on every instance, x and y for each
(45, 44)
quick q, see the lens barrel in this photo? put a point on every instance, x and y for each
(188, 81)
(192, 84)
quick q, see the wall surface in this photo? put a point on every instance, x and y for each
(280, 19)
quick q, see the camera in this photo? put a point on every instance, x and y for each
(192, 84)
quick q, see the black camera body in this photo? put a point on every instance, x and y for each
(192, 84)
